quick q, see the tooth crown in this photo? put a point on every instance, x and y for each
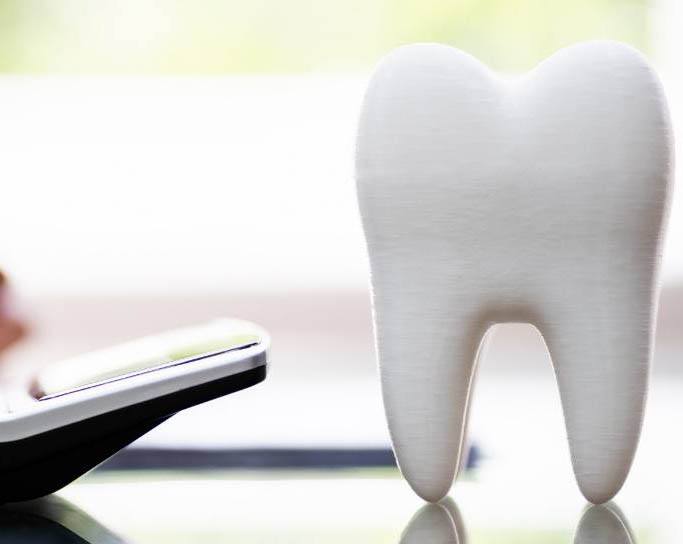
(539, 199)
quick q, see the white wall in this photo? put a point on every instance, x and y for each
(168, 185)
(191, 185)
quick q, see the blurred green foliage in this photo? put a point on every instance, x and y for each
(228, 36)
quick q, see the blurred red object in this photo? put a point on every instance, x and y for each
(11, 328)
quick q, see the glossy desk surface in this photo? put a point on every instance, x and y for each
(370, 507)
(523, 492)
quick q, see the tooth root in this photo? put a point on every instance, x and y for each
(427, 352)
(600, 347)
(465, 445)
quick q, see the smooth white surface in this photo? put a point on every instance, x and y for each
(536, 200)
(304, 508)
(174, 185)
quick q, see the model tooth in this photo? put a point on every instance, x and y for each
(539, 200)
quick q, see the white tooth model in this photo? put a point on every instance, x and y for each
(540, 200)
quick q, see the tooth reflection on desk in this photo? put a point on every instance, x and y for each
(604, 524)
(436, 523)
(441, 523)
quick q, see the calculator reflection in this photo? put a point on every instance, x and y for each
(51, 520)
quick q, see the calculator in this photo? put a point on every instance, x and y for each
(78, 412)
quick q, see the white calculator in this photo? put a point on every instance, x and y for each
(78, 412)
